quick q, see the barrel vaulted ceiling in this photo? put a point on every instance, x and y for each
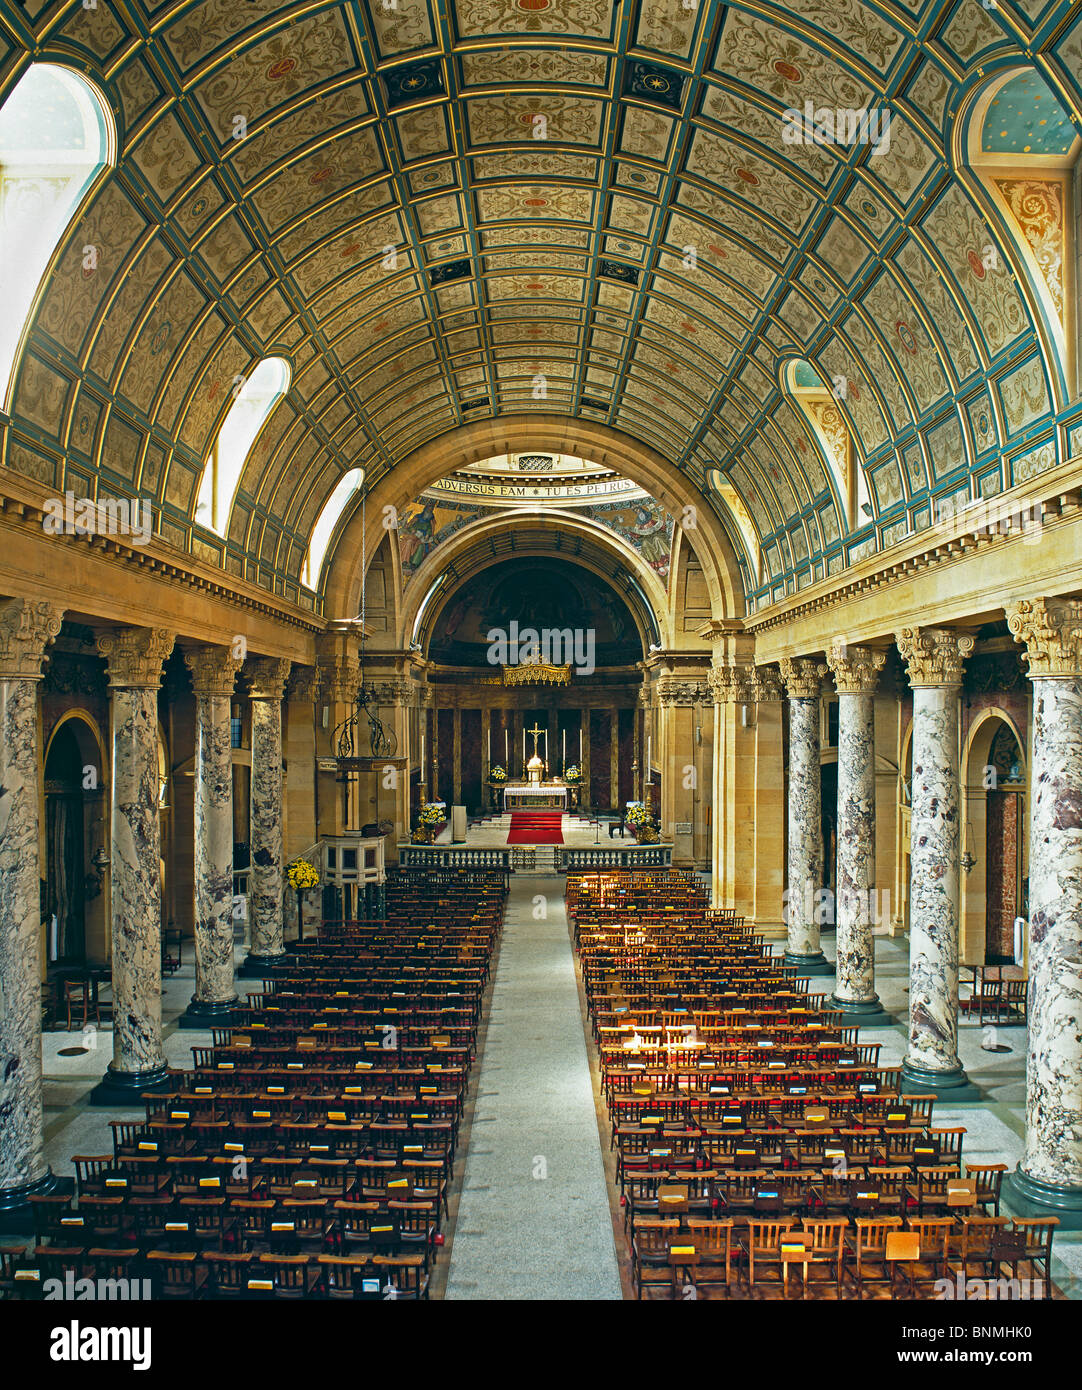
(441, 212)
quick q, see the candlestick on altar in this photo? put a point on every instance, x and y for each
(490, 745)
(563, 749)
(505, 750)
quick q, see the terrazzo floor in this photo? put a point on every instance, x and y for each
(533, 1219)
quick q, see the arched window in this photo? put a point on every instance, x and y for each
(327, 520)
(830, 429)
(255, 398)
(56, 137)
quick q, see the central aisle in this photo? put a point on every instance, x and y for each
(533, 1220)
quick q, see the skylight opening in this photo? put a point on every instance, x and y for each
(330, 515)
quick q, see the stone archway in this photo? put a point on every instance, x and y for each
(487, 438)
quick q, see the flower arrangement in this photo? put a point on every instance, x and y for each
(497, 774)
(431, 813)
(573, 773)
(637, 814)
(301, 875)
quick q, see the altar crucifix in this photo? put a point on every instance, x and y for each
(535, 767)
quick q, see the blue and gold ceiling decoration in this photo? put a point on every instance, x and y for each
(594, 193)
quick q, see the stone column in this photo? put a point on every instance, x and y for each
(934, 658)
(214, 672)
(266, 683)
(26, 627)
(803, 680)
(1048, 1180)
(135, 656)
(856, 673)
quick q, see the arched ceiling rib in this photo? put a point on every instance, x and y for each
(364, 191)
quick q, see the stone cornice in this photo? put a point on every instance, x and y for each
(856, 669)
(22, 506)
(136, 655)
(1052, 632)
(802, 677)
(213, 669)
(934, 656)
(27, 627)
(998, 523)
(266, 677)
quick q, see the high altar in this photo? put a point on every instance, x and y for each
(535, 793)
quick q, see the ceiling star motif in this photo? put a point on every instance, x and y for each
(430, 205)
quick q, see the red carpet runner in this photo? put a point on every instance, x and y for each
(536, 828)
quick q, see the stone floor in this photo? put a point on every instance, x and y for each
(518, 1235)
(533, 1219)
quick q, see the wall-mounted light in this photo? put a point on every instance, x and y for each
(968, 860)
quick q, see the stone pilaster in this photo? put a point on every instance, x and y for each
(934, 658)
(856, 674)
(214, 672)
(729, 683)
(135, 656)
(266, 684)
(1048, 1180)
(26, 628)
(803, 681)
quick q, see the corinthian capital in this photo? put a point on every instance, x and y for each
(803, 678)
(1051, 628)
(27, 627)
(730, 685)
(303, 685)
(856, 669)
(266, 676)
(933, 656)
(766, 687)
(135, 655)
(214, 669)
(672, 690)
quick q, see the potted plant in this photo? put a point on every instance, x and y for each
(637, 818)
(497, 776)
(301, 876)
(430, 821)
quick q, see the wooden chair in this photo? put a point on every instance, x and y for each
(348, 1277)
(1035, 1255)
(868, 1246)
(761, 1247)
(401, 1276)
(713, 1241)
(933, 1234)
(229, 1272)
(989, 1179)
(975, 1243)
(650, 1242)
(176, 1274)
(290, 1275)
(826, 1246)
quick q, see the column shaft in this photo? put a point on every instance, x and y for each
(22, 1159)
(805, 834)
(213, 854)
(267, 929)
(855, 965)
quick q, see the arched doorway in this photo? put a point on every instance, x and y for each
(993, 839)
(73, 905)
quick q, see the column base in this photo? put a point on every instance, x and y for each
(16, 1213)
(203, 1014)
(256, 967)
(123, 1088)
(953, 1086)
(866, 1013)
(1032, 1197)
(814, 964)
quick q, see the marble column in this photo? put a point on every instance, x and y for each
(266, 679)
(135, 656)
(856, 673)
(214, 671)
(26, 628)
(1048, 1180)
(804, 904)
(934, 658)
